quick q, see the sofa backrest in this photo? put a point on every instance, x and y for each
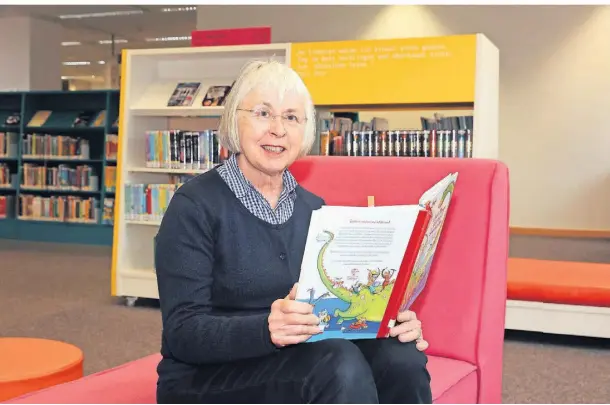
(464, 300)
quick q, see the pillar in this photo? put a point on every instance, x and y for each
(30, 54)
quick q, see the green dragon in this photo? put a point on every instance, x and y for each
(362, 305)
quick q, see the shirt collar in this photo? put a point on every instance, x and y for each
(244, 185)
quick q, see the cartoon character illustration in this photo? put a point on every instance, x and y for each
(324, 319)
(359, 324)
(387, 274)
(373, 284)
(362, 303)
(312, 292)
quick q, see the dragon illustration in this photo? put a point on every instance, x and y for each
(363, 304)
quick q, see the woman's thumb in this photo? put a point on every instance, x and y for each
(293, 293)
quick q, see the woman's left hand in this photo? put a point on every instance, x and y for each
(408, 328)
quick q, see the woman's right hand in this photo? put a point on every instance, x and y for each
(292, 322)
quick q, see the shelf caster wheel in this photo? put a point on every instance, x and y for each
(131, 301)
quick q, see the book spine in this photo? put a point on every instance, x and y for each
(404, 275)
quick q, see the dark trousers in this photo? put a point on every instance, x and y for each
(329, 371)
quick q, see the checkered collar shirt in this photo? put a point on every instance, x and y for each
(253, 200)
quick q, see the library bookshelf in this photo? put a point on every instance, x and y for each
(57, 159)
(145, 182)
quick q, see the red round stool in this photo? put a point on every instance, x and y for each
(29, 364)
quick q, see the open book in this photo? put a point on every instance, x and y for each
(363, 265)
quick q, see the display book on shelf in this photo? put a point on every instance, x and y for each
(163, 106)
(57, 147)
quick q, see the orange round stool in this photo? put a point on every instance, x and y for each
(29, 364)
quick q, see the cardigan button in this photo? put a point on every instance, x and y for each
(282, 256)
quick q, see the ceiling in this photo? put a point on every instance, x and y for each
(137, 27)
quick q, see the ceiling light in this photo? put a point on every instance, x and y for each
(178, 9)
(80, 63)
(109, 41)
(70, 43)
(164, 39)
(101, 62)
(99, 15)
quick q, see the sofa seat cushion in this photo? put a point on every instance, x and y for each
(453, 381)
(557, 282)
(131, 383)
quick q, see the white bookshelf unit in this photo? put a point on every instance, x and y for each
(148, 79)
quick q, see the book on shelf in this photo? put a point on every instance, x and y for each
(7, 179)
(215, 96)
(46, 146)
(111, 146)
(13, 119)
(110, 179)
(59, 208)
(184, 94)
(108, 211)
(100, 119)
(9, 144)
(148, 202)
(7, 204)
(364, 265)
(84, 119)
(177, 149)
(39, 118)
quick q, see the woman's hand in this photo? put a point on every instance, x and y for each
(292, 322)
(409, 329)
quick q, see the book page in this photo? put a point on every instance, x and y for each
(351, 261)
(436, 199)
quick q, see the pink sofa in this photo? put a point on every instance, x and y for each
(462, 308)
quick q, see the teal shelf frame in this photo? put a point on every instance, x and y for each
(64, 105)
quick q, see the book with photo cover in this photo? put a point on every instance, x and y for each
(184, 94)
(216, 96)
(364, 265)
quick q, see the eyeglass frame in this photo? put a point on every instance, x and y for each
(272, 116)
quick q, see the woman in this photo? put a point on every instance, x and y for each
(227, 257)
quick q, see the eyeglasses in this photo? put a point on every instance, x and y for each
(264, 115)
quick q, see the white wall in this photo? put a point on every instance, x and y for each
(29, 54)
(554, 89)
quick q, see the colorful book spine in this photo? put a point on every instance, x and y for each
(9, 144)
(7, 204)
(111, 146)
(7, 179)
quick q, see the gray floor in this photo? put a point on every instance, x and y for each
(63, 292)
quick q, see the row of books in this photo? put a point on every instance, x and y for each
(59, 209)
(177, 149)
(54, 146)
(408, 143)
(62, 177)
(439, 121)
(110, 179)
(9, 146)
(112, 146)
(148, 202)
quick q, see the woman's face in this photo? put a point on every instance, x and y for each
(271, 129)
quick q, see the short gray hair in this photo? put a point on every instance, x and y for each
(277, 76)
